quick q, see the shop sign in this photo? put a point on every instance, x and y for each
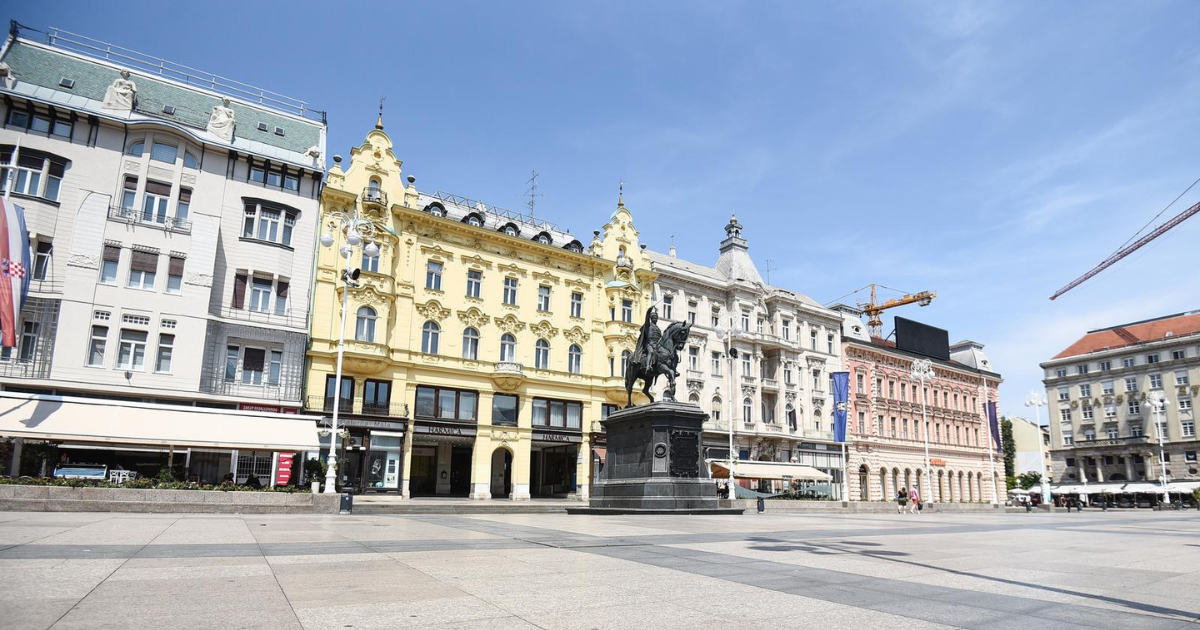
(359, 423)
(441, 429)
(540, 436)
(283, 473)
(934, 461)
(266, 408)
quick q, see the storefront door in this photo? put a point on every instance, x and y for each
(423, 481)
(460, 471)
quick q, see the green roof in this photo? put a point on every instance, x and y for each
(45, 67)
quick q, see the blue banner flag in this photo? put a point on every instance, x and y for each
(841, 404)
(994, 425)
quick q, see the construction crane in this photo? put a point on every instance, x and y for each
(874, 309)
(1129, 249)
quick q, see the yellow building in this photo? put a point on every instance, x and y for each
(503, 336)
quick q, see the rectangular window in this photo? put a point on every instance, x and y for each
(239, 290)
(1107, 388)
(175, 275)
(829, 343)
(543, 299)
(433, 275)
(627, 310)
(41, 260)
(1156, 381)
(96, 347)
(129, 196)
(577, 305)
(691, 317)
(257, 174)
(164, 152)
(1189, 456)
(1131, 384)
(232, 354)
(274, 178)
(787, 330)
(447, 404)
(787, 375)
(504, 410)
(1135, 430)
(1068, 438)
(370, 263)
(268, 224)
(183, 206)
(166, 346)
(291, 182)
(260, 295)
(693, 358)
(154, 204)
(668, 304)
(1081, 369)
(716, 318)
(1178, 355)
(1128, 362)
(1135, 408)
(253, 364)
(281, 296)
(1088, 413)
(132, 353)
(746, 365)
(275, 369)
(745, 321)
(1060, 373)
(1181, 376)
(142, 269)
(474, 283)
(1152, 358)
(1105, 366)
(344, 396)
(1065, 416)
(1188, 428)
(377, 397)
(557, 413)
(716, 364)
(510, 291)
(1185, 404)
(1085, 391)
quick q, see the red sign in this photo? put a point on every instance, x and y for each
(283, 473)
(265, 408)
(937, 462)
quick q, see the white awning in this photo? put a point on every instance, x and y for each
(1182, 486)
(1151, 488)
(768, 470)
(97, 420)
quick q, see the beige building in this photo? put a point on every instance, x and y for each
(1030, 456)
(483, 346)
(1100, 389)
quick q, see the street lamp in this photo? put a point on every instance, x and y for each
(356, 229)
(728, 333)
(922, 370)
(1037, 401)
(1158, 402)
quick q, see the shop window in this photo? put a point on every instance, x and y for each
(557, 413)
(504, 410)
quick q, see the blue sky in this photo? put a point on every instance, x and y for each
(989, 151)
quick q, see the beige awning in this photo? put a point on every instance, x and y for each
(117, 422)
(768, 470)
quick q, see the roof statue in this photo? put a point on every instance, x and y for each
(222, 120)
(656, 354)
(121, 94)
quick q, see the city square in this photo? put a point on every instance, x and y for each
(1115, 569)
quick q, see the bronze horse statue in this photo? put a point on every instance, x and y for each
(656, 354)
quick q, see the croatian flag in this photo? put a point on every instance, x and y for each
(14, 263)
(841, 403)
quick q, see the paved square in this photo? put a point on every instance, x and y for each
(1092, 570)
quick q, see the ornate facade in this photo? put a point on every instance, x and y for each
(884, 423)
(482, 346)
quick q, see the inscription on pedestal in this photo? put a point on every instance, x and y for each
(685, 453)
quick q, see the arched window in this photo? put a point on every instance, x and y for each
(543, 238)
(575, 359)
(817, 419)
(473, 219)
(429, 337)
(508, 347)
(364, 328)
(136, 149)
(541, 355)
(747, 410)
(190, 161)
(624, 362)
(471, 344)
(791, 417)
(694, 398)
(715, 412)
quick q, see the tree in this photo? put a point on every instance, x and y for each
(1029, 480)
(1010, 447)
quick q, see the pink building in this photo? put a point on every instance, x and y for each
(886, 449)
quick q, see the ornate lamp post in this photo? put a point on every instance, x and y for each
(359, 232)
(1037, 401)
(1158, 402)
(922, 371)
(728, 332)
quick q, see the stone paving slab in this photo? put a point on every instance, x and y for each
(864, 571)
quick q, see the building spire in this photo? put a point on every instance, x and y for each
(379, 123)
(621, 193)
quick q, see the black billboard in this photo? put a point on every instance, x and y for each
(922, 339)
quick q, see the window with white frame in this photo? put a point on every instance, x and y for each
(470, 344)
(786, 329)
(1135, 407)
(747, 411)
(97, 345)
(1105, 366)
(1065, 415)
(260, 294)
(510, 291)
(829, 343)
(430, 334)
(716, 364)
(42, 252)
(1135, 430)
(1110, 411)
(694, 358)
(1112, 433)
(1088, 413)
(275, 367)
(232, 356)
(166, 347)
(1156, 381)
(268, 223)
(1068, 438)
(746, 365)
(541, 355)
(36, 175)
(1081, 369)
(1060, 373)
(155, 201)
(543, 298)
(1085, 391)
(508, 347)
(627, 310)
(175, 274)
(1181, 377)
(131, 355)
(1064, 393)
(1152, 358)
(1128, 362)
(364, 324)
(1107, 388)
(474, 283)
(668, 307)
(433, 275)
(577, 305)
(1178, 355)
(1187, 428)
(816, 380)
(1131, 384)
(1185, 403)
(787, 375)
(1161, 428)
(253, 365)
(575, 359)
(370, 263)
(142, 269)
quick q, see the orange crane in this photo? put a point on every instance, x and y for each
(1132, 247)
(874, 309)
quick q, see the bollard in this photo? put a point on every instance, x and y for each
(762, 505)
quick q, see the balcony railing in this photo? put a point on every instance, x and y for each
(774, 428)
(509, 367)
(770, 383)
(133, 215)
(374, 195)
(358, 406)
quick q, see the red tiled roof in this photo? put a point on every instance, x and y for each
(1133, 334)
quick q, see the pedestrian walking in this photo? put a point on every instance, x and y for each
(901, 500)
(914, 498)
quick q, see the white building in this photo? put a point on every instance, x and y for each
(777, 393)
(173, 229)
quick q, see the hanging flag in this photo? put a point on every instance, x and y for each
(841, 404)
(994, 425)
(14, 269)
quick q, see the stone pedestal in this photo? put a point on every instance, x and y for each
(654, 464)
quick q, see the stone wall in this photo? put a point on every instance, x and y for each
(63, 499)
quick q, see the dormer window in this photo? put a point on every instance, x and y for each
(574, 246)
(436, 210)
(510, 229)
(473, 219)
(542, 238)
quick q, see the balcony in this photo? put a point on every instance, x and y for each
(773, 428)
(132, 216)
(508, 375)
(358, 406)
(716, 425)
(770, 384)
(1125, 441)
(374, 195)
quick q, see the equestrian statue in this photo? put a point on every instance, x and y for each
(656, 354)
